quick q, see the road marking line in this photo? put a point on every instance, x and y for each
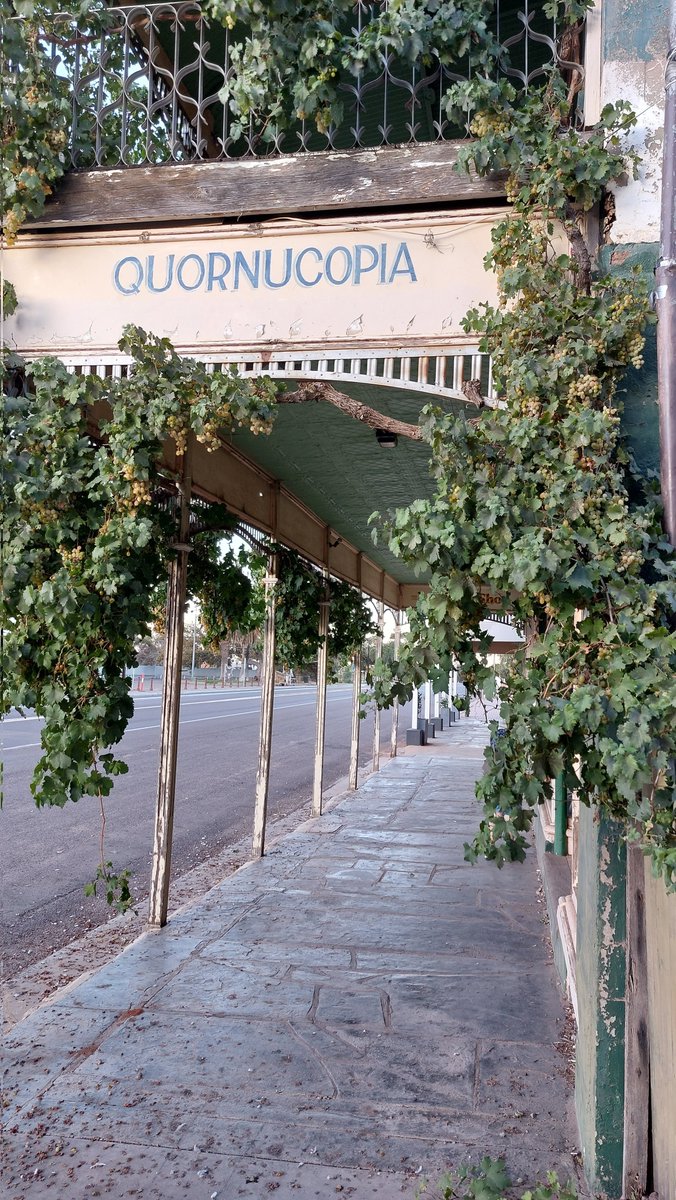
(251, 712)
(192, 700)
(188, 721)
(25, 746)
(186, 698)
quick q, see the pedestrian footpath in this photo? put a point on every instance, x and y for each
(356, 1011)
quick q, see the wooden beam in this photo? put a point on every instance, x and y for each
(660, 975)
(348, 180)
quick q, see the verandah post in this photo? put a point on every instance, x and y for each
(376, 714)
(394, 733)
(267, 710)
(171, 704)
(356, 706)
(322, 676)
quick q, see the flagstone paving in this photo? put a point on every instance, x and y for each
(357, 1010)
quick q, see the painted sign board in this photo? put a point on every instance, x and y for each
(390, 281)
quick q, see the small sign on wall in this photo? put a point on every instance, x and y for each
(392, 281)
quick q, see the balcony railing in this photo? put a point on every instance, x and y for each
(146, 91)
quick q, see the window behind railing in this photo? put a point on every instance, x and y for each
(146, 91)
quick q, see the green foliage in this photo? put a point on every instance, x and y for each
(288, 56)
(228, 587)
(538, 500)
(529, 135)
(85, 542)
(35, 112)
(9, 298)
(115, 885)
(298, 593)
(490, 1181)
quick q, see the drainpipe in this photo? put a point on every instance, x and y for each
(665, 278)
(560, 815)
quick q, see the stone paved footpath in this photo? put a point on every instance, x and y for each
(359, 1009)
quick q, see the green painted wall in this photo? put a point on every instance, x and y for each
(640, 419)
(600, 968)
(634, 29)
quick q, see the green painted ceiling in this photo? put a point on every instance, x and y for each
(337, 468)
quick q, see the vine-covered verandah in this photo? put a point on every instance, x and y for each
(571, 526)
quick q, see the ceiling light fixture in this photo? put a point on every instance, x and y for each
(385, 438)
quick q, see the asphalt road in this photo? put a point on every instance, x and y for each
(47, 855)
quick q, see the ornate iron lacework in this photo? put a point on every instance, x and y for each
(146, 90)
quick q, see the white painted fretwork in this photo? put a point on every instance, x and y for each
(416, 370)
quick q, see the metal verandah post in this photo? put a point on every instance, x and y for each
(353, 781)
(376, 714)
(394, 733)
(171, 703)
(267, 710)
(427, 707)
(415, 708)
(322, 675)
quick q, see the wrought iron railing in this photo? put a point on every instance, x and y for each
(146, 90)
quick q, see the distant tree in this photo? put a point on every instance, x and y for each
(150, 650)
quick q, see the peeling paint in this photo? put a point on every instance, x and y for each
(638, 201)
(635, 29)
(600, 974)
(607, 942)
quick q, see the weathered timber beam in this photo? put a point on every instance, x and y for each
(313, 393)
(348, 180)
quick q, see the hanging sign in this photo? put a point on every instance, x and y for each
(388, 281)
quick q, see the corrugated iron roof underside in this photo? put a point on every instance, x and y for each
(337, 468)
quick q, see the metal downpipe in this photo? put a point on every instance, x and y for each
(665, 292)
